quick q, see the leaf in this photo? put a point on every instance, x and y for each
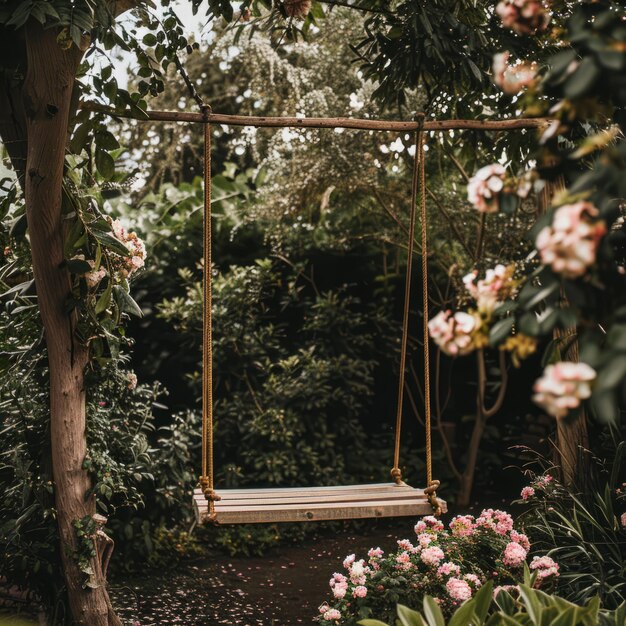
(409, 617)
(612, 374)
(500, 330)
(111, 242)
(125, 302)
(462, 616)
(371, 622)
(104, 299)
(105, 164)
(582, 80)
(482, 601)
(78, 266)
(433, 613)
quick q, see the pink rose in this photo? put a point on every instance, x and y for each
(454, 333)
(513, 78)
(483, 189)
(563, 387)
(525, 17)
(570, 243)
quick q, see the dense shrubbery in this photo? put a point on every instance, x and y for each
(449, 565)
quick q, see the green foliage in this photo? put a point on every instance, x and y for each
(582, 531)
(524, 606)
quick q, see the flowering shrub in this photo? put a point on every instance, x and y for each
(449, 564)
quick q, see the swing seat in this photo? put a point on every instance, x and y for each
(314, 504)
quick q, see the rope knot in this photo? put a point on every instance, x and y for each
(206, 112)
(396, 474)
(431, 494)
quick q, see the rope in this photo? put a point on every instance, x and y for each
(396, 472)
(431, 485)
(207, 477)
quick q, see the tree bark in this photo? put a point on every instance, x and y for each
(572, 437)
(47, 94)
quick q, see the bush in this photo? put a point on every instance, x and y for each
(524, 606)
(585, 532)
(449, 565)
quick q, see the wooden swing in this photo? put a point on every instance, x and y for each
(306, 504)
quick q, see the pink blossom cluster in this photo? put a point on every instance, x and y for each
(483, 189)
(623, 520)
(527, 493)
(499, 521)
(463, 525)
(514, 554)
(459, 589)
(432, 556)
(525, 17)
(563, 386)
(454, 333)
(512, 78)
(441, 563)
(544, 566)
(489, 292)
(135, 246)
(569, 245)
(520, 538)
(339, 585)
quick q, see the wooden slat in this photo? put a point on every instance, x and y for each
(248, 506)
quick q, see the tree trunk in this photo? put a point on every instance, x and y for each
(571, 435)
(47, 96)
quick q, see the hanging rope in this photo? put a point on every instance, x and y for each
(207, 478)
(396, 472)
(418, 183)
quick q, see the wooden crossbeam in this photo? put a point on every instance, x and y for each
(318, 122)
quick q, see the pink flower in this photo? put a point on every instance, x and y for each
(358, 572)
(135, 246)
(347, 562)
(545, 567)
(462, 525)
(472, 578)
(512, 78)
(359, 592)
(339, 585)
(425, 539)
(570, 243)
(623, 519)
(332, 614)
(458, 589)
(483, 189)
(454, 333)
(375, 553)
(563, 387)
(405, 544)
(527, 492)
(520, 538)
(525, 17)
(432, 556)
(448, 568)
(514, 554)
(499, 521)
(433, 523)
(492, 290)
(420, 527)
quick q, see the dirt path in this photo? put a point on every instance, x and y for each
(281, 589)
